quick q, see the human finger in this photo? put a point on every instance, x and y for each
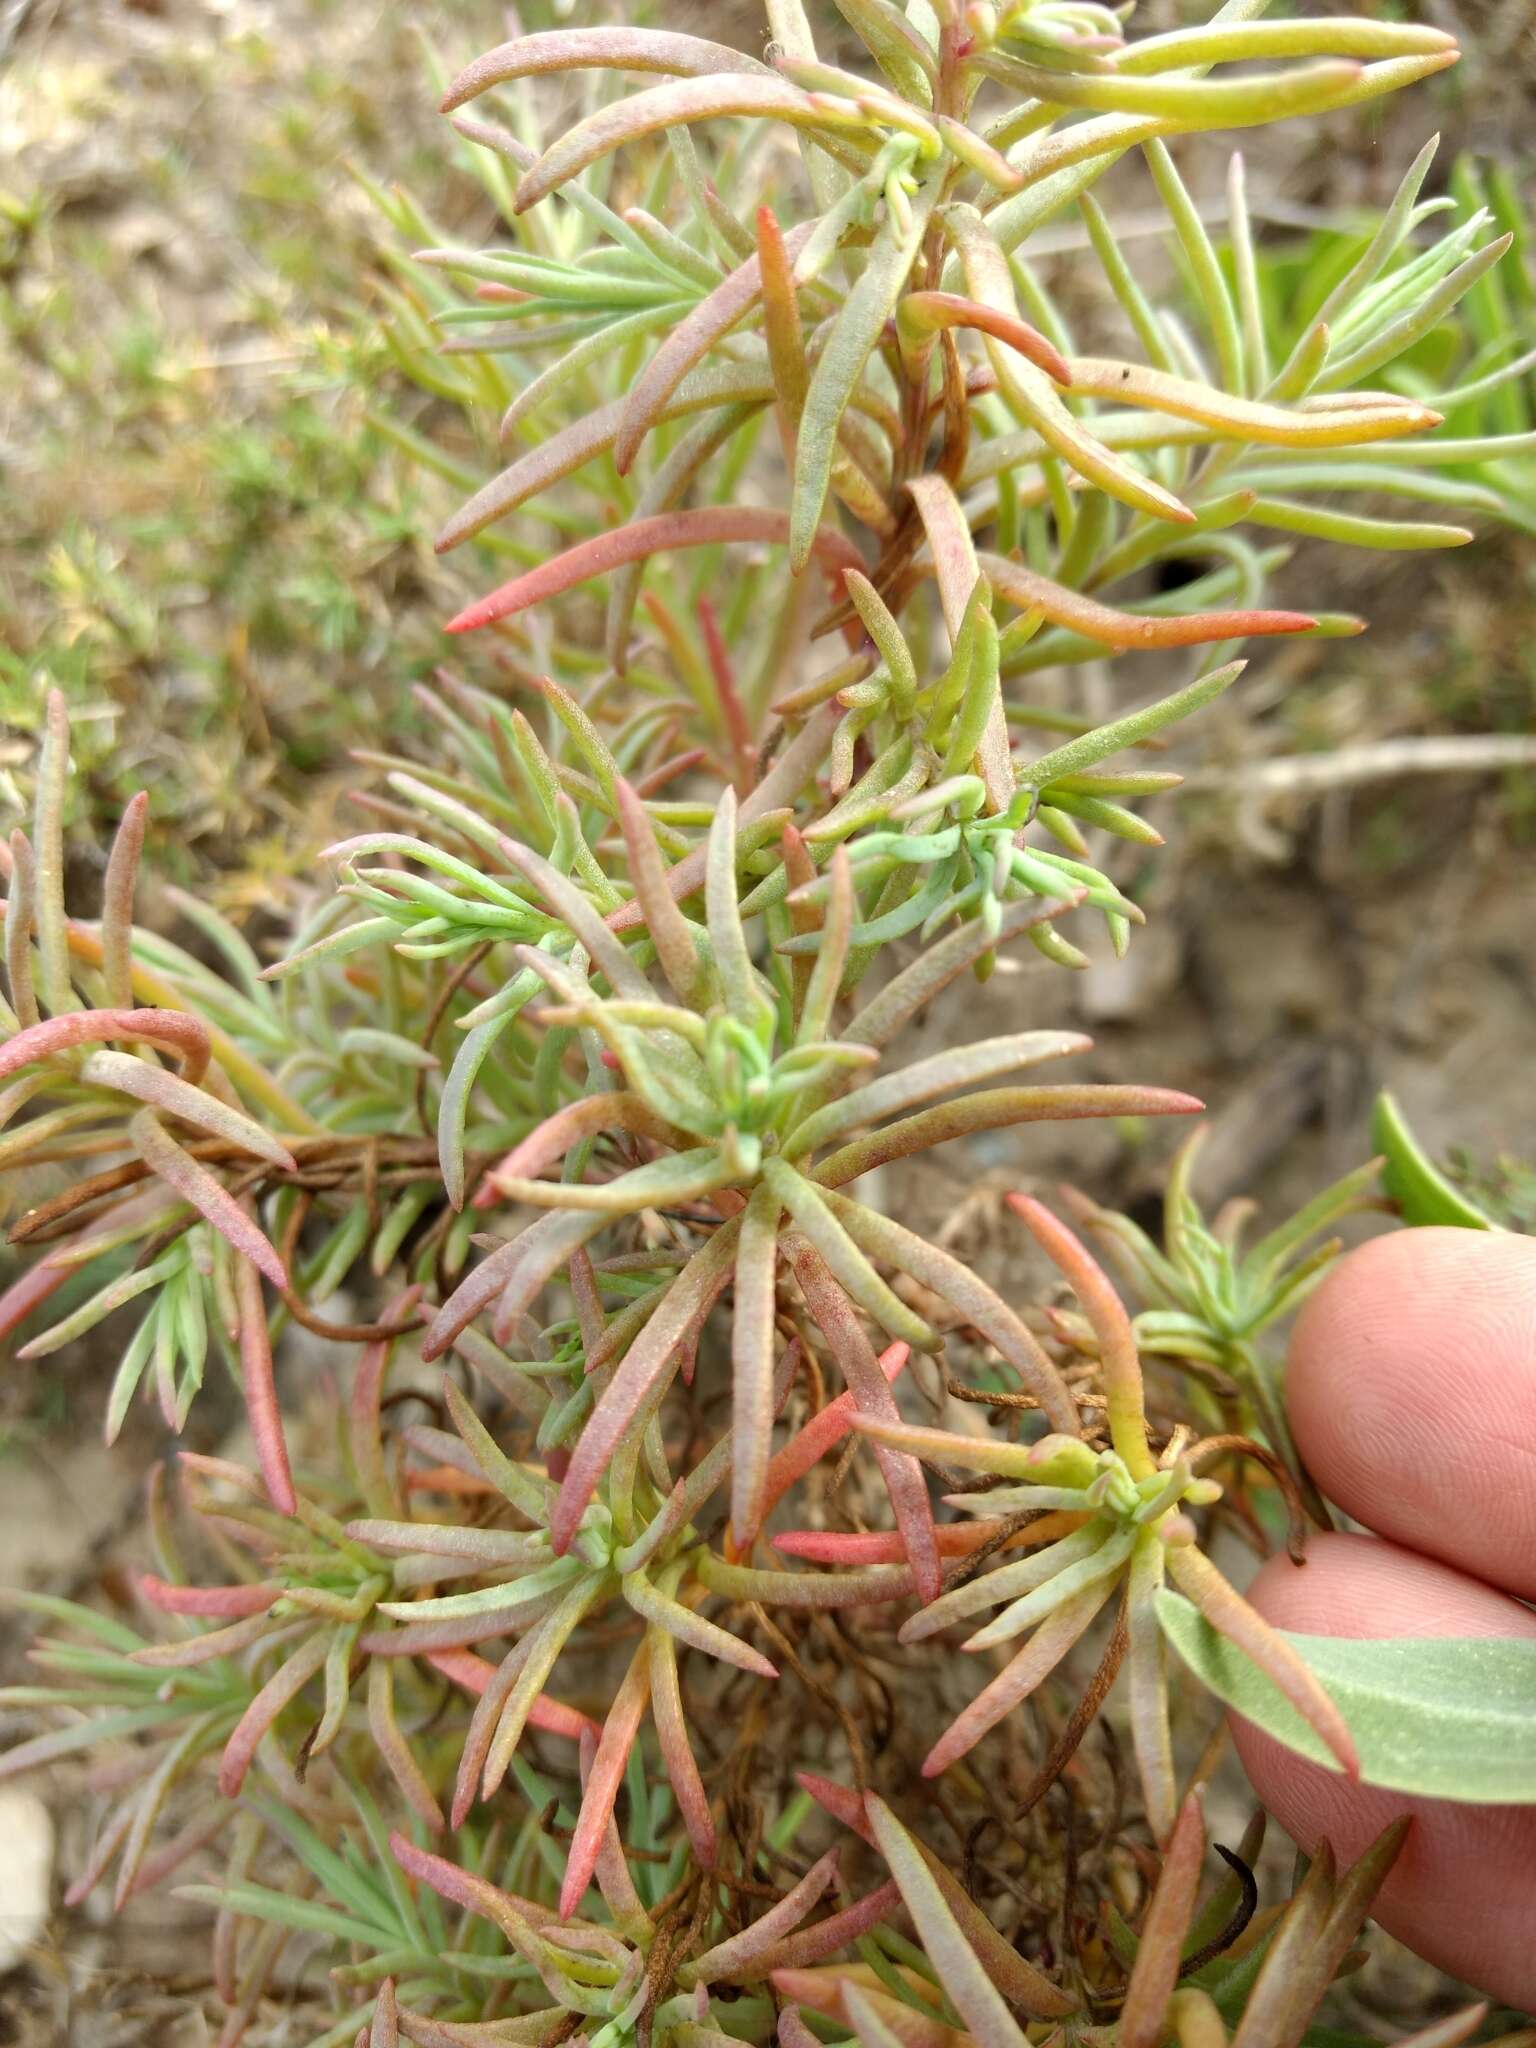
(1412, 1396)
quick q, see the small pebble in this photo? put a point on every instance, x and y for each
(26, 1873)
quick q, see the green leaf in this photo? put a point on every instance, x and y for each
(1417, 1186)
(1441, 1717)
(309, 1917)
(850, 343)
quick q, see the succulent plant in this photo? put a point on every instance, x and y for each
(573, 1074)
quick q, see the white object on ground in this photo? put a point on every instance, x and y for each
(26, 1873)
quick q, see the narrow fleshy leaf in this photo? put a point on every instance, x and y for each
(823, 1227)
(476, 1676)
(867, 1383)
(806, 1590)
(954, 1281)
(1030, 393)
(172, 1096)
(656, 1607)
(955, 1539)
(729, 958)
(228, 1603)
(1151, 1733)
(20, 911)
(679, 1177)
(173, 1031)
(530, 2030)
(811, 1945)
(365, 1408)
(1083, 1546)
(1228, 1612)
(542, 1653)
(888, 638)
(195, 1184)
(668, 928)
(284, 1686)
(822, 1433)
(1238, 41)
(1143, 2015)
(928, 312)
(918, 983)
(514, 1274)
(117, 903)
(576, 49)
(962, 1067)
(877, 2020)
(620, 1728)
(567, 902)
(384, 2028)
(704, 526)
(973, 1992)
(259, 1385)
(1017, 1680)
(1270, 2018)
(1119, 1362)
(848, 347)
(1111, 628)
(720, 1963)
(689, 341)
(493, 1687)
(950, 545)
(670, 1717)
(204, 1648)
(752, 1343)
(49, 917)
(645, 1369)
(1459, 2028)
(1279, 2010)
(388, 1740)
(832, 941)
(724, 389)
(895, 45)
(28, 1293)
(1344, 424)
(794, 768)
(664, 106)
(463, 1888)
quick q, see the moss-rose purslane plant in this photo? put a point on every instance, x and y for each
(573, 1116)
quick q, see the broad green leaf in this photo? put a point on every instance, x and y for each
(1441, 1717)
(1411, 1178)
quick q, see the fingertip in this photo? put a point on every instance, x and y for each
(1360, 1586)
(1412, 1394)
